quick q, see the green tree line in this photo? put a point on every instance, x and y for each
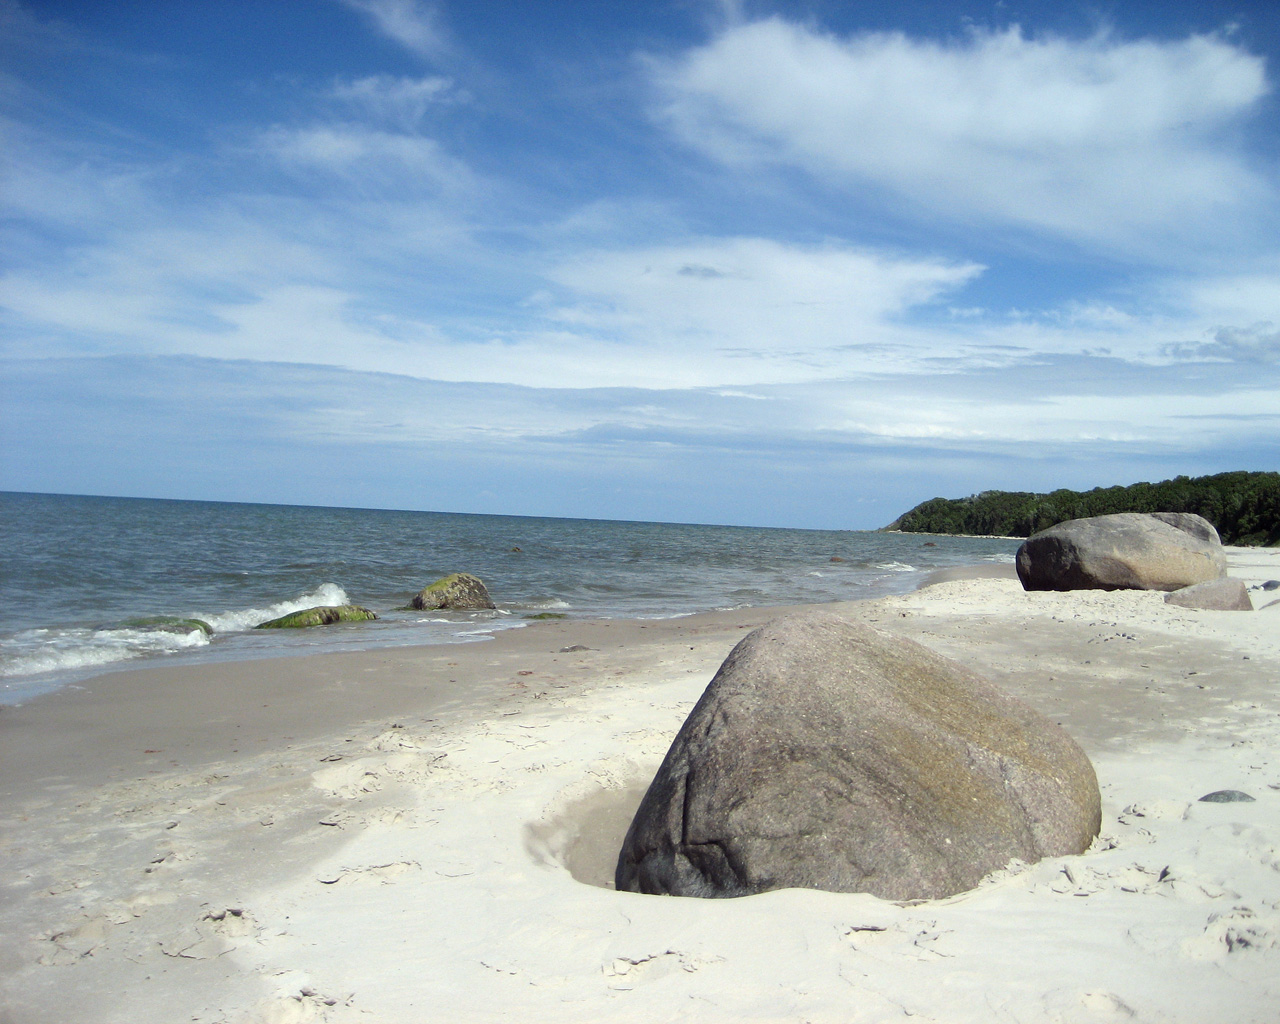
(1244, 507)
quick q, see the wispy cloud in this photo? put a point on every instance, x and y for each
(360, 259)
(749, 310)
(415, 25)
(1102, 141)
(399, 101)
(376, 162)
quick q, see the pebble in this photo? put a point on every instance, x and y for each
(1227, 796)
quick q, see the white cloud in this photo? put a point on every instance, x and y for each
(1257, 343)
(1099, 140)
(373, 160)
(82, 191)
(1230, 298)
(749, 294)
(396, 100)
(414, 25)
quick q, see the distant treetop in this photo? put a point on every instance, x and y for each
(1243, 506)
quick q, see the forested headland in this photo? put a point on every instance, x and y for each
(1245, 507)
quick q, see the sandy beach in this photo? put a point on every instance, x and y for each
(429, 834)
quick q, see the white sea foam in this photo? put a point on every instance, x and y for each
(35, 651)
(247, 618)
(64, 650)
(492, 627)
(894, 566)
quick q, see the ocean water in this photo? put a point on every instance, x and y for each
(75, 569)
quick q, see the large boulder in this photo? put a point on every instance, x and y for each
(458, 592)
(830, 755)
(1224, 595)
(1127, 551)
(1188, 522)
(322, 615)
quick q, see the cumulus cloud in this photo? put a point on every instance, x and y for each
(1258, 343)
(415, 26)
(1099, 140)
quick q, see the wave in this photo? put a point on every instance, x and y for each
(246, 618)
(36, 651)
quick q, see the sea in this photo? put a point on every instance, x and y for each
(75, 570)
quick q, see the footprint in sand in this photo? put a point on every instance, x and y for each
(77, 940)
(212, 934)
(914, 941)
(624, 973)
(396, 738)
(1075, 1007)
(305, 1007)
(351, 781)
(378, 874)
(233, 922)
(1236, 931)
(168, 857)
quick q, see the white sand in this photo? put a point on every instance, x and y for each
(450, 861)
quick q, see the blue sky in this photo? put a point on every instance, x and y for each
(794, 264)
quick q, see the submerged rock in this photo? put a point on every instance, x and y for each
(166, 624)
(830, 755)
(458, 592)
(1126, 551)
(1224, 595)
(324, 615)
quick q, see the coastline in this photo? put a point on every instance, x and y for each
(409, 834)
(233, 567)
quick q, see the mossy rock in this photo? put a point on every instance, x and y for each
(548, 615)
(459, 591)
(166, 624)
(324, 615)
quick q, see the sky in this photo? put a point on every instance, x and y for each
(799, 264)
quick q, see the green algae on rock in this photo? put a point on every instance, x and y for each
(166, 624)
(321, 616)
(459, 591)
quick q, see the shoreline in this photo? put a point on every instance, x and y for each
(179, 698)
(69, 653)
(421, 834)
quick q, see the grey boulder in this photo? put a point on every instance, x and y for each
(830, 755)
(1224, 595)
(459, 591)
(1188, 522)
(1227, 796)
(1126, 551)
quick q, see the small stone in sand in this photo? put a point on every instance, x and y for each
(1226, 796)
